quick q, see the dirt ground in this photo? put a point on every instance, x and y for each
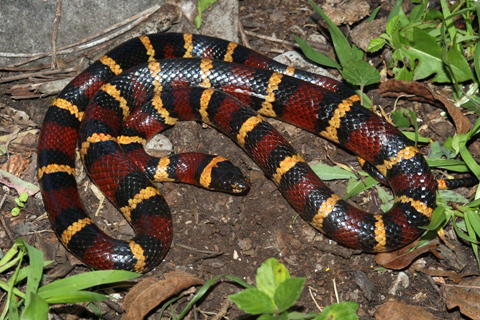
(218, 233)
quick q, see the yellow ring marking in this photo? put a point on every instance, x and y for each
(354, 98)
(161, 174)
(361, 161)
(380, 234)
(286, 164)
(417, 205)
(442, 184)
(55, 168)
(94, 138)
(325, 209)
(267, 107)
(148, 46)
(230, 49)
(206, 176)
(73, 229)
(138, 253)
(128, 140)
(155, 68)
(290, 71)
(205, 67)
(204, 101)
(334, 123)
(112, 64)
(248, 126)
(67, 105)
(188, 38)
(158, 104)
(144, 194)
(404, 154)
(113, 92)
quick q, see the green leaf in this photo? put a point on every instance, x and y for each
(253, 301)
(376, 44)
(429, 55)
(359, 186)
(399, 119)
(202, 5)
(386, 198)
(476, 60)
(76, 297)
(345, 53)
(35, 257)
(267, 316)
(315, 56)
(23, 197)
(360, 73)
(15, 212)
(439, 219)
(326, 172)
(460, 67)
(417, 12)
(37, 308)
(451, 196)
(374, 14)
(339, 311)
(83, 281)
(269, 276)
(288, 293)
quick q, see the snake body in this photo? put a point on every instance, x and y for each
(151, 82)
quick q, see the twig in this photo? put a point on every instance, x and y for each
(198, 250)
(84, 44)
(319, 46)
(310, 289)
(39, 74)
(3, 219)
(55, 32)
(335, 289)
(243, 35)
(227, 304)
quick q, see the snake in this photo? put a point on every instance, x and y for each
(149, 83)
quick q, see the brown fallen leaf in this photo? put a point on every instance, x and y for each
(451, 275)
(150, 292)
(465, 299)
(422, 93)
(401, 311)
(402, 258)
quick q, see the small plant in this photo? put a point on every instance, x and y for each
(20, 201)
(34, 302)
(277, 292)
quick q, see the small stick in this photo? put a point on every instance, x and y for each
(323, 47)
(55, 32)
(243, 35)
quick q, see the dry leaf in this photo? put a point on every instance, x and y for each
(465, 299)
(150, 292)
(402, 258)
(401, 311)
(422, 93)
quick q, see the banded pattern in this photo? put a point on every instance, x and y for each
(162, 92)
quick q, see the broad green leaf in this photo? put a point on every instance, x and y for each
(450, 196)
(202, 5)
(417, 12)
(315, 56)
(462, 71)
(36, 309)
(452, 165)
(345, 53)
(326, 172)
(267, 316)
(301, 316)
(253, 301)
(83, 281)
(269, 276)
(288, 293)
(360, 73)
(399, 119)
(359, 186)
(339, 311)
(428, 53)
(376, 44)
